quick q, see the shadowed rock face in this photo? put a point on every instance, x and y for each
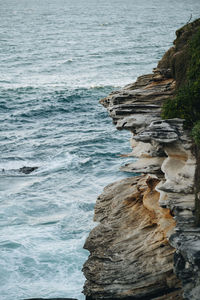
(146, 245)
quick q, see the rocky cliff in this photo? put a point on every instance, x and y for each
(146, 244)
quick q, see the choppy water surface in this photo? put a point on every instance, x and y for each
(58, 57)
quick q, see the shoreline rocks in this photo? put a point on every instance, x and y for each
(146, 244)
(27, 170)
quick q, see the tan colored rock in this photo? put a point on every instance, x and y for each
(129, 251)
(144, 165)
(142, 150)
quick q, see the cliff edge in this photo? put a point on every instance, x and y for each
(146, 244)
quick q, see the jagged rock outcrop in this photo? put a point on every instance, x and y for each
(146, 245)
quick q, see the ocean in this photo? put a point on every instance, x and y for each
(58, 58)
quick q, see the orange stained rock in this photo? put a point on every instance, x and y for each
(182, 156)
(162, 216)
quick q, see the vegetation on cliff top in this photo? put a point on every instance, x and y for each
(185, 63)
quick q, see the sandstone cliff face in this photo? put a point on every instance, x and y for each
(146, 245)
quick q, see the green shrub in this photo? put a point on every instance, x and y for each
(193, 73)
(186, 103)
(196, 133)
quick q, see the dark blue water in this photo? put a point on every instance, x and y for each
(58, 58)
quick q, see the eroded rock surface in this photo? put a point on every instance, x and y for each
(130, 254)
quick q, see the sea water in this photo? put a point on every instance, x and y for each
(57, 59)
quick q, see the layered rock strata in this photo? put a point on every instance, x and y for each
(130, 254)
(146, 245)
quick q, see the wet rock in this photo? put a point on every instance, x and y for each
(27, 170)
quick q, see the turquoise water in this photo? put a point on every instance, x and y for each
(58, 58)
